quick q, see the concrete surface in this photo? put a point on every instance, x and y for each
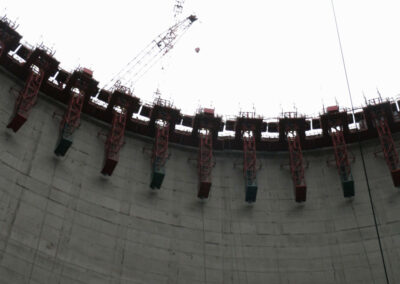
(62, 222)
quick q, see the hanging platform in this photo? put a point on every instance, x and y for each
(62, 146)
(64, 141)
(396, 177)
(251, 193)
(348, 188)
(157, 177)
(347, 184)
(300, 193)
(16, 122)
(204, 190)
(251, 188)
(109, 165)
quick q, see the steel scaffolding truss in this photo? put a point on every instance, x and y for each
(26, 99)
(160, 154)
(250, 166)
(206, 125)
(387, 143)
(296, 164)
(114, 142)
(205, 164)
(70, 122)
(72, 116)
(342, 161)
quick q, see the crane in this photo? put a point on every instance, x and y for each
(155, 50)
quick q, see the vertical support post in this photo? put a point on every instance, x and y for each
(205, 164)
(69, 123)
(296, 165)
(388, 146)
(114, 142)
(9, 38)
(2, 46)
(160, 155)
(342, 162)
(249, 166)
(26, 99)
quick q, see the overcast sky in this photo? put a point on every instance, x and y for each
(272, 55)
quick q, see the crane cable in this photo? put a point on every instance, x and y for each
(359, 144)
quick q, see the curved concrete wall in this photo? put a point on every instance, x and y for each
(62, 222)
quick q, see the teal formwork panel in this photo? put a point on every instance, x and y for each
(64, 142)
(251, 188)
(157, 177)
(348, 188)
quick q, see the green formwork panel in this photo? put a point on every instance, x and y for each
(62, 146)
(251, 193)
(64, 141)
(348, 188)
(157, 178)
(251, 188)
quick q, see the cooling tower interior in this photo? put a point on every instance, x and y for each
(91, 194)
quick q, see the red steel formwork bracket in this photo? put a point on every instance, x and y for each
(123, 100)
(248, 129)
(206, 125)
(39, 65)
(114, 142)
(387, 143)
(163, 119)
(26, 99)
(250, 166)
(72, 115)
(335, 124)
(296, 165)
(342, 162)
(160, 155)
(204, 165)
(70, 122)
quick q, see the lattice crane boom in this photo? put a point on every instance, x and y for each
(155, 50)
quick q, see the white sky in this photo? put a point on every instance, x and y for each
(270, 54)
